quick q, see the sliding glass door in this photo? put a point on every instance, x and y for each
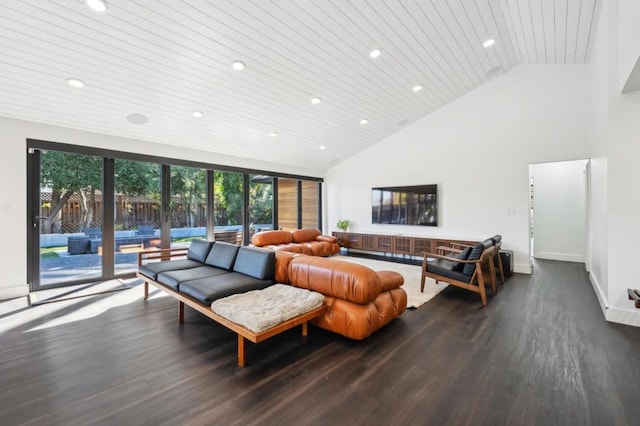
(66, 211)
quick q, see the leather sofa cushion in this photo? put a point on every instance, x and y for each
(445, 268)
(173, 279)
(199, 249)
(256, 262)
(360, 321)
(207, 290)
(327, 238)
(476, 252)
(390, 280)
(305, 234)
(274, 237)
(344, 280)
(222, 255)
(152, 270)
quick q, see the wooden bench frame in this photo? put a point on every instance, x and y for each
(243, 332)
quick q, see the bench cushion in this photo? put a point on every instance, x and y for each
(476, 252)
(152, 270)
(173, 279)
(222, 255)
(199, 249)
(463, 255)
(445, 268)
(260, 310)
(256, 262)
(206, 290)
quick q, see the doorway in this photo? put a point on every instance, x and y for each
(558, 210)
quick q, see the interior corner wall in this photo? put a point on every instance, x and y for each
(601, 84)
(13, 175)
(477, 149)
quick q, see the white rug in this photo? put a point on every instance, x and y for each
(411, 274)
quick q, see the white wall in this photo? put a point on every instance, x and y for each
(13, 174)
(615, 137)
(602, 82)
(559, 210)
(629, 39)
(477, 149)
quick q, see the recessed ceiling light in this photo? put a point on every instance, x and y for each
(273, 134)
(316, 101)
(322, 147)
(237, 65)
(375, 53)
(99, 6)
(364, 121)
(137, 118)
(488, 43)
(417, 88)
(75, 82)
(197, 114)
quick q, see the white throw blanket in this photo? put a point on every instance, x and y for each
(260, 310)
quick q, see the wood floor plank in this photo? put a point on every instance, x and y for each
(539, 353)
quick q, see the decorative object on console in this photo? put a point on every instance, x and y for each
(343, 224)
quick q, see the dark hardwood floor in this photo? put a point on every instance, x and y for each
(539, 353)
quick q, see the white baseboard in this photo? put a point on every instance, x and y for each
(14, 291)
(598, 291)
(617, 315)
(522, 269)
(623, 316)
(565, 257)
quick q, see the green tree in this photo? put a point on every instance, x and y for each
(66, 174)
(227, 195)
(188, 187)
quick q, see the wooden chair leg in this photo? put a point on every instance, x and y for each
(146, 290)
(180, 312)
(483, 291)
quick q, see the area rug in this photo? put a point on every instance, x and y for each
(75, 291)
(411, 274)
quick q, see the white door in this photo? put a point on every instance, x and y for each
(559, 210)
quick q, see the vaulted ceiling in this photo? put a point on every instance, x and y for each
(165, 59)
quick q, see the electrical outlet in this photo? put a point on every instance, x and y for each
(511, 211)
(6, 208)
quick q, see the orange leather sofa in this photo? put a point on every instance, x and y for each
(307, 241)
(359, 300)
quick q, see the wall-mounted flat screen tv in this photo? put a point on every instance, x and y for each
(405, 205)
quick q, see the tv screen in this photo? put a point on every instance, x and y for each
(405, 205)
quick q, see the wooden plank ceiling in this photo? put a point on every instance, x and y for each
(167, 58)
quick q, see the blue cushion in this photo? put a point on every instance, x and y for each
(222, 255)
(199, 249)
(476, 252)
(256, 262)
(464, 255)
